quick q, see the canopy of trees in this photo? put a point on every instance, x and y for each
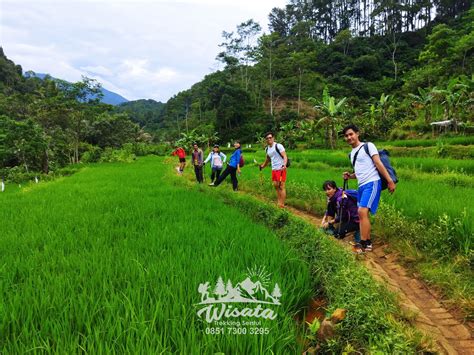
(47, 124)
(373, 55)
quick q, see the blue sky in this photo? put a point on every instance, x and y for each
(139, 49)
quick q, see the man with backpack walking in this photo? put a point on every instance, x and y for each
(197, 160)
(369, 172)
(233, 167)
(217, 159)
(277, 156)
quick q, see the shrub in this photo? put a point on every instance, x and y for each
(117, 155)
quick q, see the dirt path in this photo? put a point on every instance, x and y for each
(415, 297)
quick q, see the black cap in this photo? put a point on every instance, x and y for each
(216, 145)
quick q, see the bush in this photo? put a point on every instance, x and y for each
(398, 133)
(17, 175)
(117, 155)
(92, 155)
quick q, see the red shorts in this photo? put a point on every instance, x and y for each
(279, 175)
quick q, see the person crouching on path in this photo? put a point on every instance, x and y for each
(367, 168)
(342, 215)
(233, 167)
(182, 158)
(277, 155)
(197, 159)
(217, 159)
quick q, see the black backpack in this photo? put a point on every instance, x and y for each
(288, 161)
(384, 158)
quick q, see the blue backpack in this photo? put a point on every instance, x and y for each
(384, 158)
(351, 194)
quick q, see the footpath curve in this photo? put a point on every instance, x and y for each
(451, 334)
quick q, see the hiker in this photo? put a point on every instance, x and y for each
(342, 216)
(217, 159)
(277, 155)
(182, 158)
(367, 167)
(197, 161)
(233, 168)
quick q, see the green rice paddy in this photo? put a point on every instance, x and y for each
(110, 260)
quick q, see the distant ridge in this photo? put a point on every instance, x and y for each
(109, 97)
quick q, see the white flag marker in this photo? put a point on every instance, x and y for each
(3, 186)
(36, 179)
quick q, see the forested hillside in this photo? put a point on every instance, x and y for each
(46, 124)
(394, 67)
(146, 113)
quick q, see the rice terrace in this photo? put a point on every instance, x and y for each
(303, 184)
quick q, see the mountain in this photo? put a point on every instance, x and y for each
(109, 97)
(112, 98)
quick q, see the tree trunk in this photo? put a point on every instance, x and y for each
(334, 136)
(328, 144)
(186, 119)
(45, 162)
(299, 92)
(271, 88)
(395, 45)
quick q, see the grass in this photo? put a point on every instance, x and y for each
(464, 140)
(110, 259)
(374, 322)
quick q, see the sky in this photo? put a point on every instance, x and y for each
(145, 49)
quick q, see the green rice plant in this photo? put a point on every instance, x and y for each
(109, 260)
(462, 140)
(434, 164)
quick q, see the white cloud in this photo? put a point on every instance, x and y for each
(140, 49)
(97, 70)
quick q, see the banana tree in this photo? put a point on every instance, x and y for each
(422, 104)
(187, 139)
(452, 99)
(332, 112)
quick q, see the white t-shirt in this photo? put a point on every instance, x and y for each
(364, 168)
(217, 160)
(277, 160)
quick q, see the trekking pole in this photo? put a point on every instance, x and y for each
(344, 188)
(281, 178)
(260, 169)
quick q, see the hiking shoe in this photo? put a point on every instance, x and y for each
(357, 249)
(211, 184)
(351, 242)
(368, 247)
